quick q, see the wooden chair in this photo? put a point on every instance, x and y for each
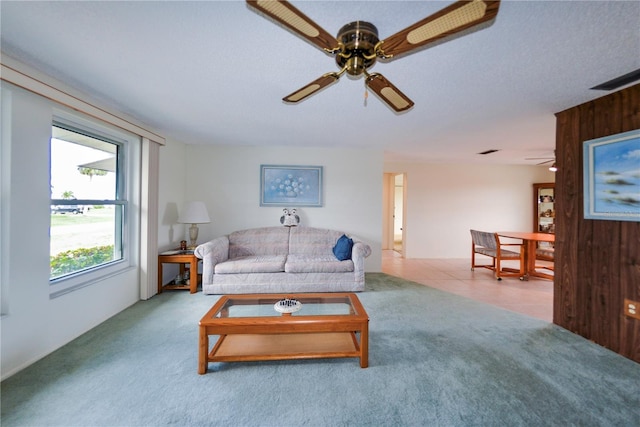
(488, 244)
(546, 253)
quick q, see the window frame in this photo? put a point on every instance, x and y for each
(127, 197)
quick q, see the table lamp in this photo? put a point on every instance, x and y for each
(194, 213)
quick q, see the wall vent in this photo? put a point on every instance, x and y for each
(484, 153)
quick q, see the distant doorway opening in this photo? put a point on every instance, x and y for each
(394, 212)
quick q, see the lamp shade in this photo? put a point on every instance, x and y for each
(194, 213)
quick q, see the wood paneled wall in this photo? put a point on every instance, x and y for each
(597, 263)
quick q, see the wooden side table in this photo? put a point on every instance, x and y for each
(179, 257)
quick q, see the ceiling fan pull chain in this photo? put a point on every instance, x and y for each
(366, 95)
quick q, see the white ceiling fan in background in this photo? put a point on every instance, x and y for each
(545, 160)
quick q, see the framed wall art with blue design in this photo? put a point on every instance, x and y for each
(290, 185)
(612, 177)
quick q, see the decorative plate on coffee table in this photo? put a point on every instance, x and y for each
(287, 305)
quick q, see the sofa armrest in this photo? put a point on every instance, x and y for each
(359, 252)
(212, 252)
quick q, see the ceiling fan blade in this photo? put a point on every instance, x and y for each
(286, 14)
(312, 88)
(390, 94)
(457, 17)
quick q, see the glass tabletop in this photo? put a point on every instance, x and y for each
(264, 306)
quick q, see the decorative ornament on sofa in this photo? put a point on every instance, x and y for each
(289, 217)
(290, 185)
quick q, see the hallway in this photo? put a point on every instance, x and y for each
(533, 297)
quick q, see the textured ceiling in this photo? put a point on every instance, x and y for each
(215, 72)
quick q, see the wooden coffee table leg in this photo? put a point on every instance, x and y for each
(203, 350)
(364, 346)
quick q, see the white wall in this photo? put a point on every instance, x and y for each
(227, 180)
(171, 197)
(445, 201)
(172, 183)
(32, 323)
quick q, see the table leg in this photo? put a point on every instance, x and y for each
(159, 277)
(530, 261)
(203, 351)
(530, 257)
(193, 276)
(364, 346)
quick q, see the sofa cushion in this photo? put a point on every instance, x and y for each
(313, 241)
(259, 241)
(342, 249)
(301, 263)
(252, 264)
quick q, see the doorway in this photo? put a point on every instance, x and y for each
(394, 229)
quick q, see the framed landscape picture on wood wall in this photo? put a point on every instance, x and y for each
(290, 185)
(612, 177)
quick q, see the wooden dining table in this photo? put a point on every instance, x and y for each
(530, 241)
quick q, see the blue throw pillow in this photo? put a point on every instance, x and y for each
(342, 249)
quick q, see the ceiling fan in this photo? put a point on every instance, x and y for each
(553, 167)
(546, 159)
(357, 46)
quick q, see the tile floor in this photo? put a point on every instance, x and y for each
(533, 297)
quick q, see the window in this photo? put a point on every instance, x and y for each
(89, 205)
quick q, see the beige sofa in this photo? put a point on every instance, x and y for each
(280, 260)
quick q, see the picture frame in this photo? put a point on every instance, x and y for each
(612, 177)
(292, 186)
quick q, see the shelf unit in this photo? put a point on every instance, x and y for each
(544, 214)
(544, 217)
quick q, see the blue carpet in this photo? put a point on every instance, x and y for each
(435, 359)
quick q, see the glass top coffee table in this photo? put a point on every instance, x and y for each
(256, 327)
